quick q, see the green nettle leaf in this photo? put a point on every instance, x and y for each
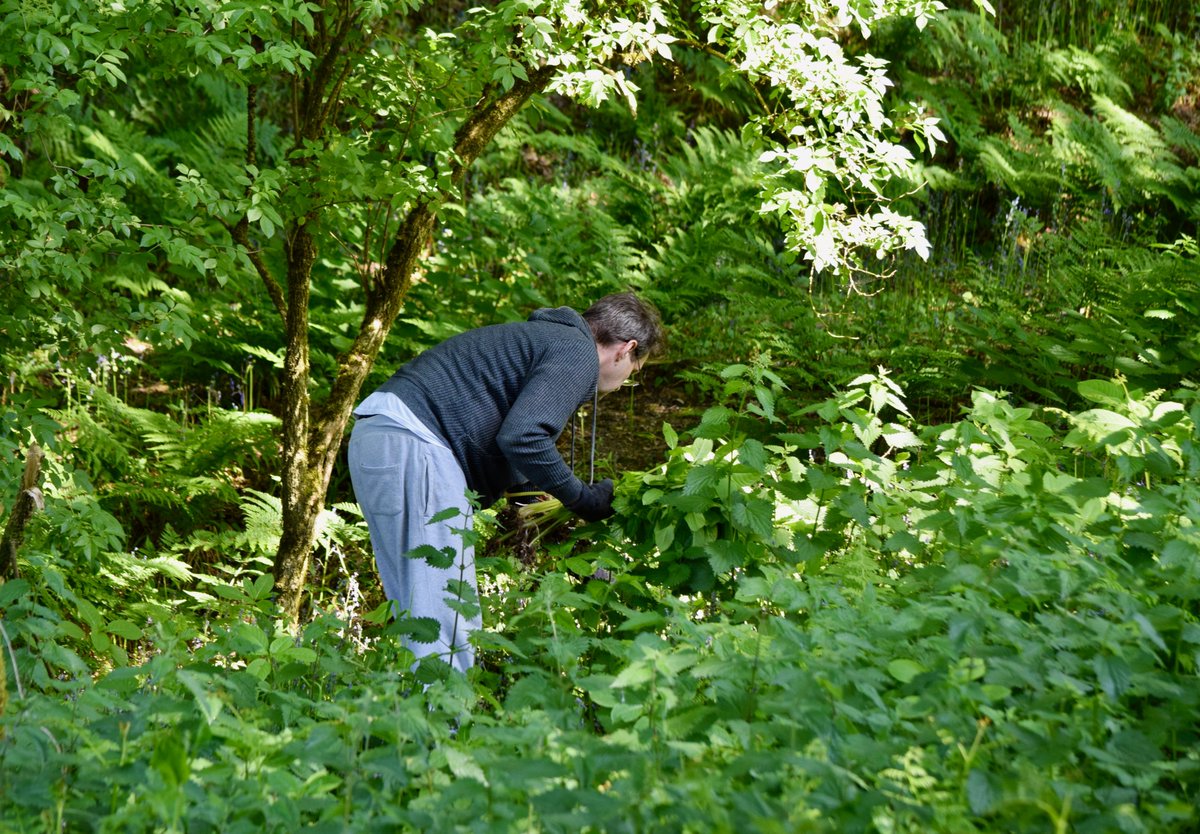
(420, 629)
(981, 793)
(651, 496)
(754, 455)
(724, 555)
(444, 515)
(12, 590)
(170, 759)
(198, 685)
(438, 558)
(766, 403)
(463, 766)
(1114, 675)
(702, 480)
(1147, 628)
(756, 515)
(1134, 748)
(819, 479)
(899, 437)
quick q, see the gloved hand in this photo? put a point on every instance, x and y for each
(595, 502)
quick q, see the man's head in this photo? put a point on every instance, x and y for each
(627, 331)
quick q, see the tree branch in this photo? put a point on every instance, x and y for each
(482, 125)
(241, 232)
(387, 293)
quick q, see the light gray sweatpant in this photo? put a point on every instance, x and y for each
(402, 477)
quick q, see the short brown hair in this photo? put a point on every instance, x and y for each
(622, 316)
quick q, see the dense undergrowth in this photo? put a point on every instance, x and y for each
(988, 624)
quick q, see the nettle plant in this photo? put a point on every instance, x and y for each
(987, 625)
(740, 494)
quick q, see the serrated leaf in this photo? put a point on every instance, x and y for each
(420, 629)
(633, 675)
(724, 556)
(463, 766)
(12, 590)
(754, 455)
(209, 704)
(1114, 675)
(444, 515)
(756, 515)
(642, 620)
(1150, 631)
(434, 557)
(899, 437)
(701, 479)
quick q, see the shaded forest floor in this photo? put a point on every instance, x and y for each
(629, 423)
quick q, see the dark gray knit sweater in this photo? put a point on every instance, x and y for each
(501, 395)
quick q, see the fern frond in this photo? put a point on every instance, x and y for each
(1088, 72)
(263, 514)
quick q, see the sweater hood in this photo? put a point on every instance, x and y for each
(562, 315)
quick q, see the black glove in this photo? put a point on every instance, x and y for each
(595, 502)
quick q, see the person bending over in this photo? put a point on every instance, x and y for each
(482, 411)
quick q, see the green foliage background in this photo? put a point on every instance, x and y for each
(925, 558)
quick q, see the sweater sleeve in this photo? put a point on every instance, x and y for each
(564, 377)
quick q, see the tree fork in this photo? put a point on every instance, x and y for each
(313, 432)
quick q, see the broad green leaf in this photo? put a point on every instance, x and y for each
(262, 587)
(124, 629)
(756, 515)
(754, 455)
(1102, 391)
(664, 537)
(198, 685)
(725, 555)
(89, 614)
(904, 670)
(1114, 675)
(981, 794)
(635, 674)
(650, 496)
(670, 436)
(463, 766)
(12, 590)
